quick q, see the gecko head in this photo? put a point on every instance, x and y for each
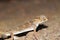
(39, 20)
(42, 18)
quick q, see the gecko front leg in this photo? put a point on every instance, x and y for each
(35, 33)
(12, 36)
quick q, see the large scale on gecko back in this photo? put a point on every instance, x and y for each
(7, 26)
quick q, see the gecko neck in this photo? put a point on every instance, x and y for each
(38, 23)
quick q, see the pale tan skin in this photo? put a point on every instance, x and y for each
(38, 19)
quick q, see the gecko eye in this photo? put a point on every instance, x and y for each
(45, 19)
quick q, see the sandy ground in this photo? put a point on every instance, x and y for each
(14, 13)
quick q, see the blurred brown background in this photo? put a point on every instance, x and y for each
(24, 9)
